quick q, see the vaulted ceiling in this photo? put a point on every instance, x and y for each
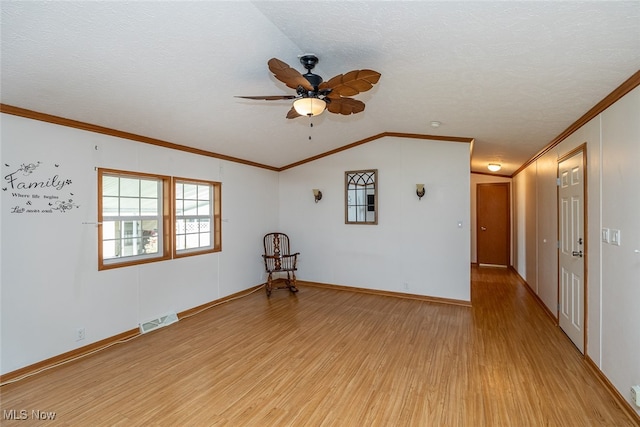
(510, 75)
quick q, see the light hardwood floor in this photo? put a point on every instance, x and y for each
(327, 357)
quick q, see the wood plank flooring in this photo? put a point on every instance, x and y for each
(327, 357)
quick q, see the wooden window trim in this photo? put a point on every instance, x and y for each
(217, 218)
(167, 239)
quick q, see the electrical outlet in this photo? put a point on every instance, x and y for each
(635, 394)
(405, 286)
(79, 334)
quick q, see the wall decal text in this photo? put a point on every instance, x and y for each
(38, 189)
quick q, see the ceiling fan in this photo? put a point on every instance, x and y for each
(313, 95)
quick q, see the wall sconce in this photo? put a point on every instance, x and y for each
(317, 195)
(420, 191)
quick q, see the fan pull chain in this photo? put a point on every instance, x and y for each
(311, 126)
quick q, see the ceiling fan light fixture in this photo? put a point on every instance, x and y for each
(309, 106)
(494, 167)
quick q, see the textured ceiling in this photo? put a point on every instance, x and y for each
(511, 75)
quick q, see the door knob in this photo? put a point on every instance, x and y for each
(483, 228)
(578, 254)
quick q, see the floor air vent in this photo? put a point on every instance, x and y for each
(160, 322)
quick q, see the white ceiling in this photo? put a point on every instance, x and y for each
(512, 75)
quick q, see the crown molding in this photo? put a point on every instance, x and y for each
(62, 121)
(373, 138)
(626, 87)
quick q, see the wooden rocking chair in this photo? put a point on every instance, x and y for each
(279, 259)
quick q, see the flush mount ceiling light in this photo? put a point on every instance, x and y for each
(309, 106)
(494, 167)
(435, 124)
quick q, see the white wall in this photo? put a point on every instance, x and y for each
(613, 201)
(621, 264)
(50, 282)
(416, 242)
(476, 179)
(519, 204)
(545, 259)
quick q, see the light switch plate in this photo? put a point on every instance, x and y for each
(615, 237)
(605, 235)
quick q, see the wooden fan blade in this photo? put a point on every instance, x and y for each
(351, 83)
(269, 97)
(345, 106)
(369, 75)
(288, 75)
(292, 114)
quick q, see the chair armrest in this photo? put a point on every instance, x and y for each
(281, 256)
(287, 262)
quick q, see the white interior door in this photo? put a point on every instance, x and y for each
(572, 250)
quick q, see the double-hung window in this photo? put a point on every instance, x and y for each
(133, 217)
(197, 216)
(146, 218)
